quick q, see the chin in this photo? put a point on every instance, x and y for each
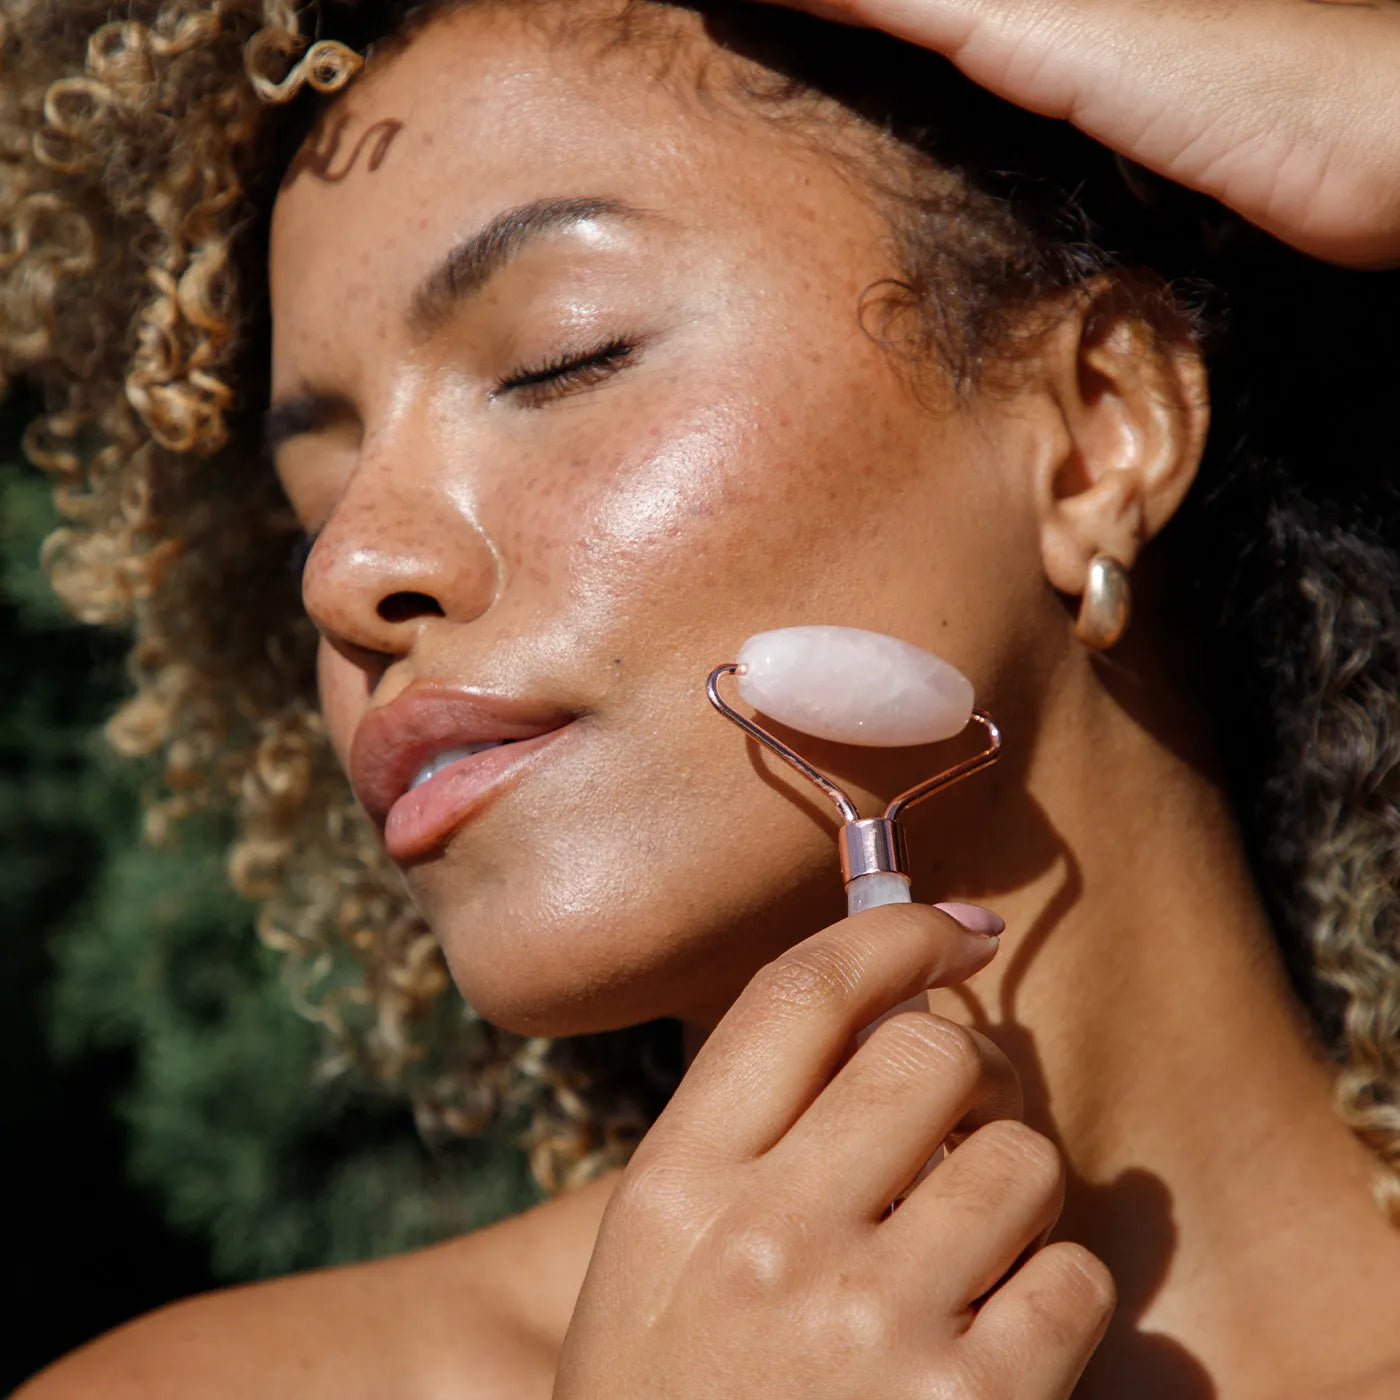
(558, 979)
(561, 965)
(618, 940)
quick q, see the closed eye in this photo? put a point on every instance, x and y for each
(566, 375)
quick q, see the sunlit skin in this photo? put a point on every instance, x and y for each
(741, 455)
(757, 460)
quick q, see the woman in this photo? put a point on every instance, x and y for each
(602, 337)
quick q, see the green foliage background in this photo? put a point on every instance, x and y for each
(168, 1127)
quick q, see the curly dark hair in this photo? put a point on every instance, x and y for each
(138, 162)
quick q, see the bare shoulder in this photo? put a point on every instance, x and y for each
(397, 1327)
(479, 1318)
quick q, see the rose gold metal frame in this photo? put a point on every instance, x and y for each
(875, 843)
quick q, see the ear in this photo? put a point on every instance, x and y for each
(1130, 388)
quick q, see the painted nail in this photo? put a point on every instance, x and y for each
(973, 917)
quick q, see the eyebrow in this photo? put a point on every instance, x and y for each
(465, 270)
(473, 262)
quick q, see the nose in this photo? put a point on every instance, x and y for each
(397, 552)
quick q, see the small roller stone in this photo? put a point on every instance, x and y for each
(854, 686)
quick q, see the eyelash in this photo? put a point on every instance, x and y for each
(567, 374)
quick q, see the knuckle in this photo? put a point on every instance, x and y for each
(1028, 1155)
(926, 1041)
(855, 1322)
(816, 977)
(761, 1256)
(652, 1195)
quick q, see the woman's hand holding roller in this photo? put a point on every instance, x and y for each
(1287, 111)
(747, 1250)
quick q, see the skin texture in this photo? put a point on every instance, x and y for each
(760, 462)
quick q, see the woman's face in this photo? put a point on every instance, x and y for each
(571, 384)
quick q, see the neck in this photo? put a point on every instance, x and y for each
(1140, 994)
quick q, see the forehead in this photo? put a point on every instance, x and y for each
(487, 109)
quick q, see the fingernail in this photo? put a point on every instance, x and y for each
(965, 958)
(973, 917)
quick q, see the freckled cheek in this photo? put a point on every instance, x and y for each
(806, 473)
(533, 518)
(707, 493)
(646, 499)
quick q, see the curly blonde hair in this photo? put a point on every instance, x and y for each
(138, 161)
(131, 166)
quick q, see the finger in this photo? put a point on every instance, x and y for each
(1282, 112)
(972, 917)
(1033, 1337)
(873, 1128)
(988, 1202)
(1010, 47)
(1088, 62)
(784, 1037)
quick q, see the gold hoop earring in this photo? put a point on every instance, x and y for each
(1107, 604)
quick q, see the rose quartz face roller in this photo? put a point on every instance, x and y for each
(857, 687)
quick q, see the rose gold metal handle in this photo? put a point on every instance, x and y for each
(871, 845)
(940, 781)
(844, 805)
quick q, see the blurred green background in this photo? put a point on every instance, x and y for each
(165, 1131)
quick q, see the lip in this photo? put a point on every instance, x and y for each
(424, 817)
(391, 744)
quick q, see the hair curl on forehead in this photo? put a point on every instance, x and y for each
(139, 160)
